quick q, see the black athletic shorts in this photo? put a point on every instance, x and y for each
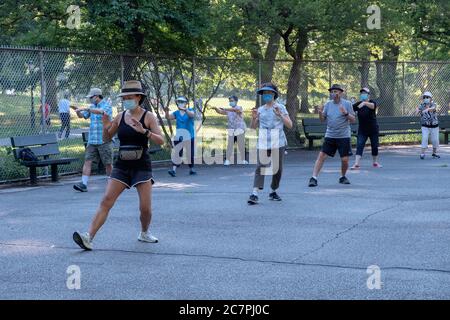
(343, 145)
(131, 177)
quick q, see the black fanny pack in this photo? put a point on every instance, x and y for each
(130, 152)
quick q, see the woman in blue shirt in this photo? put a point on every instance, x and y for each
(185, 135)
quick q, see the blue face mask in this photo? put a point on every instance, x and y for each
(93, 100)
(129, 104)
(364, 96)
(233, 104)
(267, 97)
(427, 100)
(332, 95)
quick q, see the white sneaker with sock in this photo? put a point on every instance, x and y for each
(147, 237)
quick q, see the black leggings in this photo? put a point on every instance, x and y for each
(189, 149)
(361, 142)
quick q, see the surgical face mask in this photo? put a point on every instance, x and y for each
(267, 97)
(92, 100)
(181, 105)
(333, 95)
(364, 96)
(232, 103)
(426, 100)
(129, 104)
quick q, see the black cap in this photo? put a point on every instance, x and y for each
(336, 87)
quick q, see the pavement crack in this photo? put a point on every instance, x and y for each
(241, 259)
(339, 234)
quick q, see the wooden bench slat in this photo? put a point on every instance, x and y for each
(40, 151)
(25, 141)
(44, 163)
(407, 119)
(399, 126)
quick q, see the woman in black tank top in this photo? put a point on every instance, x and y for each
(134, 127)
(128, 136)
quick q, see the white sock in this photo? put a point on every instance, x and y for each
(174, 168)
(255, 191)
(84, 180)
(314, 177)
(274, 190)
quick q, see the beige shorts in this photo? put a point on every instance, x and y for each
(97, 152)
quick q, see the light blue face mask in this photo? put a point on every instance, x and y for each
(93, 100)
(181, 105)
(267, 97)
(233, 104)
(427, 100)
(129, 104)
(364, 96)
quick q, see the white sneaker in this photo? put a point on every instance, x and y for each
(83, 240)
(226, 163)
(243, 162)
(147, 237)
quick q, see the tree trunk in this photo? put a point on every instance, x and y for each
(268, 61)
(51, 96)
(53, 65)
(292, 103)
(304, 84)
(386, 76)
(130, 68)
(269, 58)
(364, 69)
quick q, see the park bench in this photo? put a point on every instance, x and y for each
(314, 129)
(43, 146)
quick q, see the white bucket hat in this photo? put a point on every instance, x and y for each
(428, 94)
(94, 92)
(182, 99)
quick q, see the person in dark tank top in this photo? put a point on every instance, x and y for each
(366, 110)
(134, 128)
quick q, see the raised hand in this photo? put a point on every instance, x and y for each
(255, 114)
(137, 125)
(320, 109)
(277, 111)
(342, 109)
(105, 120)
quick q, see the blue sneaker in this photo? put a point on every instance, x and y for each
(172, 173)
(80, 187)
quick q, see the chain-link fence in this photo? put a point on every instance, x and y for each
(34, 81)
